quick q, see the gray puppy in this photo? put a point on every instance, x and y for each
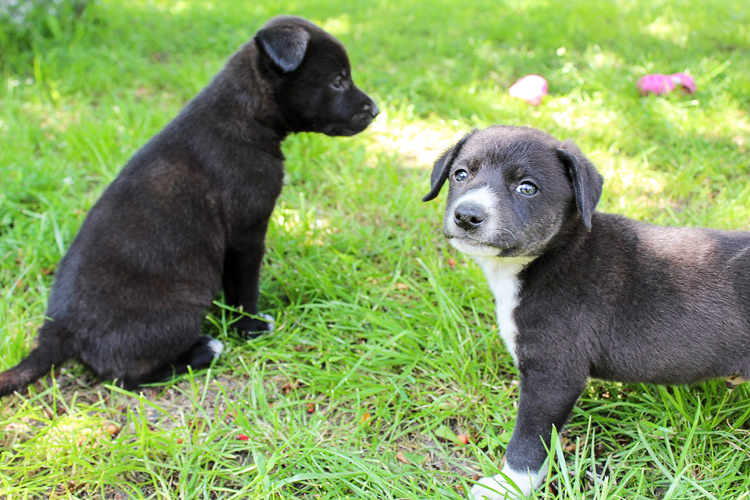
(585, 294)
(187, 216)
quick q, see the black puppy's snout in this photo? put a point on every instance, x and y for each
(469, 216)
(371, 108)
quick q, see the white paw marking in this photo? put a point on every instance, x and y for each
(509, 484)
(502, 276)
(271, 322)
(216, 347)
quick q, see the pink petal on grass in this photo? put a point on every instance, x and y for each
(663, 84)
(687, 82)
(655, 84)
(530, 88)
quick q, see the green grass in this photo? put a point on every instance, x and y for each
(385, 345)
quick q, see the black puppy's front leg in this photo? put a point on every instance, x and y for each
(546, 401)
(241, 281)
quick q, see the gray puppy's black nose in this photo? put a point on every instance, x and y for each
(469, 216)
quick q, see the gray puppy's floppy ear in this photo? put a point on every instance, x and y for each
(443, 166)
(284, 45)
(587, 183)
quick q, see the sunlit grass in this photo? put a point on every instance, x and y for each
(385, 343)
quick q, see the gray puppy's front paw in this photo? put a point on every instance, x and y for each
(508, 485)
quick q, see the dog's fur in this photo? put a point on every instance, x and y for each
(188, 214)
(586, 294)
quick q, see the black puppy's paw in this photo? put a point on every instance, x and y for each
(254, 327)
(205, 350)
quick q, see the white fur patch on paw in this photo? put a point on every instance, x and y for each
(509, 484)
(215, 347)
(270, 320)
(494, 488)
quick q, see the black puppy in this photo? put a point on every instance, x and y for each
(188, 214)
(586, 294)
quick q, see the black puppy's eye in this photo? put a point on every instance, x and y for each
(338, 83)
(527, 189)
(461, 175)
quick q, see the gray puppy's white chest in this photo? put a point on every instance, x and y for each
(502, 276)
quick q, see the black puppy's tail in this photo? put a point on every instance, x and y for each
(40, 360)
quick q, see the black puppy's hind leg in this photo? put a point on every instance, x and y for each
(241, 281)
(546, 401)
(200, 355)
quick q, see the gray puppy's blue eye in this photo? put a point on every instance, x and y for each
(527, 189)
(461, 175)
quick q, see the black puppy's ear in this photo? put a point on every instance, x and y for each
(443, 166)
(587, 183)
(284, 45)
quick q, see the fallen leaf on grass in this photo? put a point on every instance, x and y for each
(290, 386)
(364, 418)
(569, 446)
(445, 433)
(410, 458)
